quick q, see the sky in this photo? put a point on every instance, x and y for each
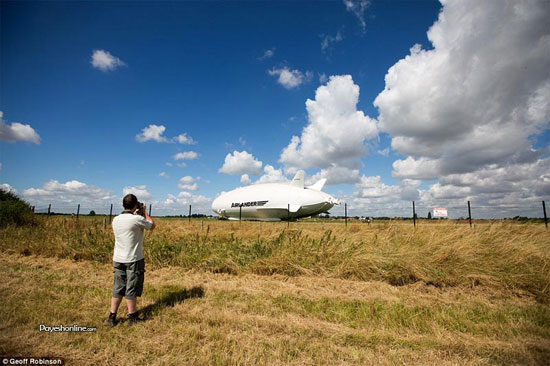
(391, 101)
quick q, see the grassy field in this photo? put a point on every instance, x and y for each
(229, 293)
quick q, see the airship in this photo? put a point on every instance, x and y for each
(274, 201)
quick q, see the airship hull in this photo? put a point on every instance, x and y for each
(274, 201)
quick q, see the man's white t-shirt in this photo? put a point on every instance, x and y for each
(128, 230)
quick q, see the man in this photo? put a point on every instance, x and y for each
(128, 259)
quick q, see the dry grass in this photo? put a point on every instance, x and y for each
(313, 293)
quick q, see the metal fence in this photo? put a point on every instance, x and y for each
(468, 211)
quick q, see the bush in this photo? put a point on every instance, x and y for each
(92, 213)
(13, 210)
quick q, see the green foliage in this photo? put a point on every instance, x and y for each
(92, 213)
(13, 210)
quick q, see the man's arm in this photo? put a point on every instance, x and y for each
(148, 218)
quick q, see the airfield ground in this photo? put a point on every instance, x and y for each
(226, 293)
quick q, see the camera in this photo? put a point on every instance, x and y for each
(141, 209)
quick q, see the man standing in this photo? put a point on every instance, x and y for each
(128, 259)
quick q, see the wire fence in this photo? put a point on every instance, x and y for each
(415, 211)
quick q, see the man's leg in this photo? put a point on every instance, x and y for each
(132, 305)
(115, 303)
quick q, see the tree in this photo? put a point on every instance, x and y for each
(429, 215)
(13, 210)
(92, 213)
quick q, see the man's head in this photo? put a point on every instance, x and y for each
(130, 202)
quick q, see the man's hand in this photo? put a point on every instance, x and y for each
(146, 215)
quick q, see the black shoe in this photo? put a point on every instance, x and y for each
(134, 319)
(111, 321)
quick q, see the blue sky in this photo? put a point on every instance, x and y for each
(201, 68)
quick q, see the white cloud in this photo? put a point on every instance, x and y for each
(241, 163)
(179, 205)
(358, 8)
(186, 155)
(156, 133)
(188, 187)
(188, 183)
(139, 191)
(245, 179)
(323, 78)
(290, 78)
(163, 174)
(336, 133)
(69, 193)
(152, 132)
(187, 179)
(272, 175)
(336, 175)
(184, 139)
(17, 132)
(268, 54)
(477, 96)
(327, 41)
(104, 61)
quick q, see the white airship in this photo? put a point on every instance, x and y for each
(274, 201)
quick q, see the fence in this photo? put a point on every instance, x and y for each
(90, 211)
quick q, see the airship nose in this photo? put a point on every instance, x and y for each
(217, 206)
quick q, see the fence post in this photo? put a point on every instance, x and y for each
(469, 214)
(240, 212)
(49, 209)
(78, 211)
(150, 206)
(111, 214)
(189, 217)
(545, 217)
(32, 209)
(104, 222)
(414, 216)
(346, 214)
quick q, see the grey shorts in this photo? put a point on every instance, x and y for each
(128, 279)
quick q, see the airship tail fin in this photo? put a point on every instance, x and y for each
(298, 180)
(319, 185)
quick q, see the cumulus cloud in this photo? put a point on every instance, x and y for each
(17, 132)
(184, 139)
(288, 78)
(156, 133)
(336, 175)
(336, 133)
(186, 155)
(139, 191)
(245, 179)
(188, 183)
(477, 96)
(179, 204)
(272, 175)
(358, 8)
(69, 194)
(241, 162)
(104, 61)
(152, 132)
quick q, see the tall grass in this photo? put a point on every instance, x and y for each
(502, 255)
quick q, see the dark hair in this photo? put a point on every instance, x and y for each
(129, 201)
